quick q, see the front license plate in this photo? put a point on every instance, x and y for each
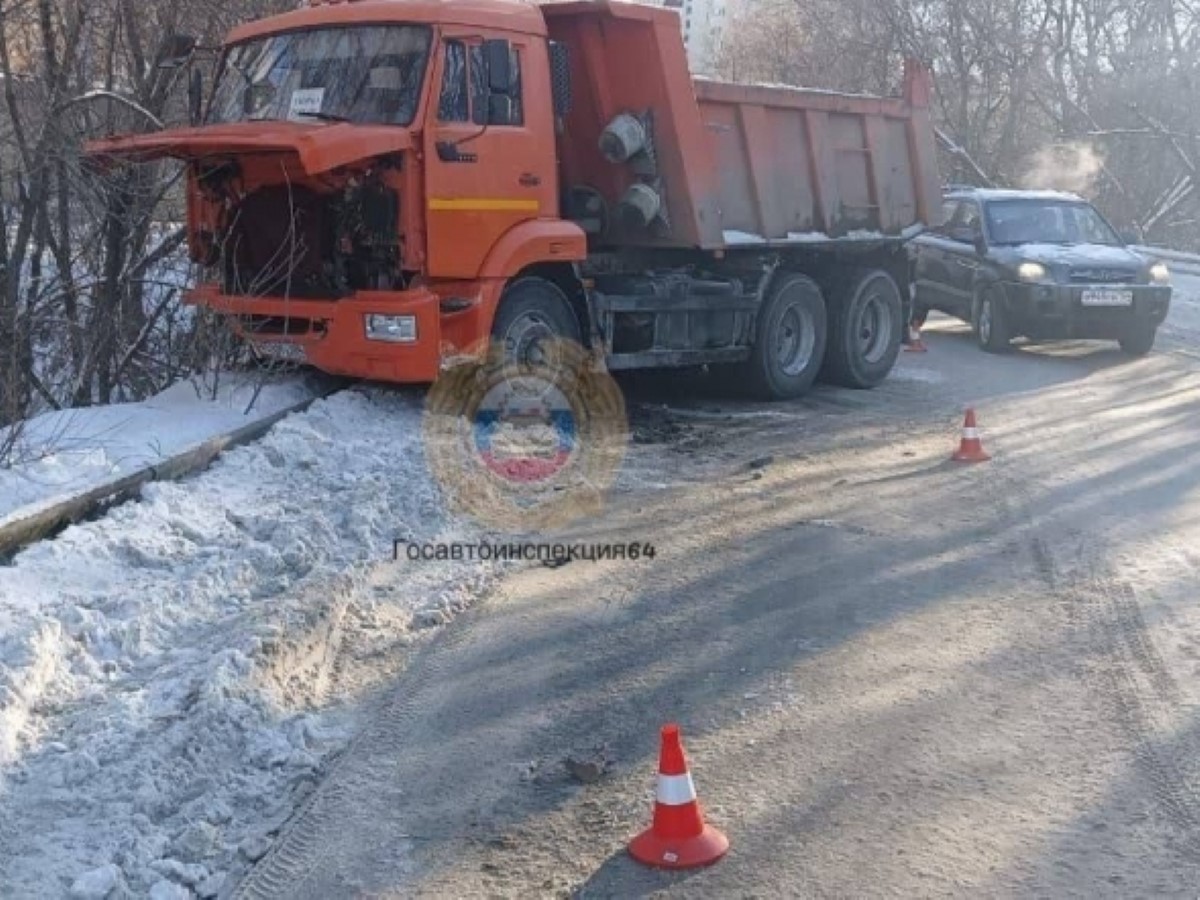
(282, 351)
(1107, 297)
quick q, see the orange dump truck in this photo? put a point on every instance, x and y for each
(386, 187)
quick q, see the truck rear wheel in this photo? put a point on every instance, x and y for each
(866, 323)
(532, 312)
(789, 340)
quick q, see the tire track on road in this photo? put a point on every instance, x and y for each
(1128, 674)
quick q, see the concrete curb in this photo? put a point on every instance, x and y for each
(23, 528)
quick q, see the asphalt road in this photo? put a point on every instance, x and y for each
(895, 675)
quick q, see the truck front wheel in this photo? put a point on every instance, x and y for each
(789, 340)
(866, 323)
(532, 313)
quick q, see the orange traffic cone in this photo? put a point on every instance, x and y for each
(914, 344)
(970, 448)
(678, 837)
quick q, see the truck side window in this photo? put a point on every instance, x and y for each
(479, 88)
(453, 105)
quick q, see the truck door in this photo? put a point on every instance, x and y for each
(486, 168)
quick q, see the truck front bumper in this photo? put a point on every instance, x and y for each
(1058, 310)
(333, 336)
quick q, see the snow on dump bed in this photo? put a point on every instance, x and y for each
(163, 671)
(63, 453)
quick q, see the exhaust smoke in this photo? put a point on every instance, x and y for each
(1071, 166)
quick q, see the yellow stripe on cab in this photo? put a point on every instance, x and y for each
(484, 204)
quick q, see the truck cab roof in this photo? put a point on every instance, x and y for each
(509, 15)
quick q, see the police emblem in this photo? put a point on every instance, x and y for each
(525, 446)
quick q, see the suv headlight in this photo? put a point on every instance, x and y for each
(1031, 271)
(1160, 274)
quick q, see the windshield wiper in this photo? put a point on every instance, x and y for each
(324, 116)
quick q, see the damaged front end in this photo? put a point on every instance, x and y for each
(300, 235)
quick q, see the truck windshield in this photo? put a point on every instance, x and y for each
(1042, 222)
(364, 74)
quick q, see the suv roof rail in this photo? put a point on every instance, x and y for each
(952, 188)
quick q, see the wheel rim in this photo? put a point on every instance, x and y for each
(874, 327)
(796, 340)
(525, 339)
(985, 321)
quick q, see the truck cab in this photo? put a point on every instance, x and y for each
(366, 177)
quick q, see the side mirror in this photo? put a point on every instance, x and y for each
(1129, 236)
(497, 60)
(175, 51)
(980, 244)
(500, 109)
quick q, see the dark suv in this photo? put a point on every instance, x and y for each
(1039, 264)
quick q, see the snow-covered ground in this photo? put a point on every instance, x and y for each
(169, 674)
(1184, 318)
(63, 453)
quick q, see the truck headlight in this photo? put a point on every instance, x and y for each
(1160, 274)
(1031, 271)
(393, 329)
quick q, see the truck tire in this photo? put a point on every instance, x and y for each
(1138, 339)
(990, 322)
(789, 340)
(866, 324)
(531, 311)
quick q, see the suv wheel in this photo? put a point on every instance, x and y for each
(1138, 339)
(991, 323)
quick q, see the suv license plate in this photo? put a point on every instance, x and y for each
(1107, 297)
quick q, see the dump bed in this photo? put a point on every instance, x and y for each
(737, 164)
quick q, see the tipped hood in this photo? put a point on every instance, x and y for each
(320, 147)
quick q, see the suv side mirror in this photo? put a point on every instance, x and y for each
(980, 243)
(1128, 236)
(175, 51)
(497, 60)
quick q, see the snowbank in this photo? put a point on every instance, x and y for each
(63, 453)
(166, 672)
(1184, 318)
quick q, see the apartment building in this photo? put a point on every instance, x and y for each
(703, 25)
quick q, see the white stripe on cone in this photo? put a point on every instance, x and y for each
(970, 433)
(676, 790)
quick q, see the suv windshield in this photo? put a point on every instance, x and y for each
(365, 73)
(1042, 222)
